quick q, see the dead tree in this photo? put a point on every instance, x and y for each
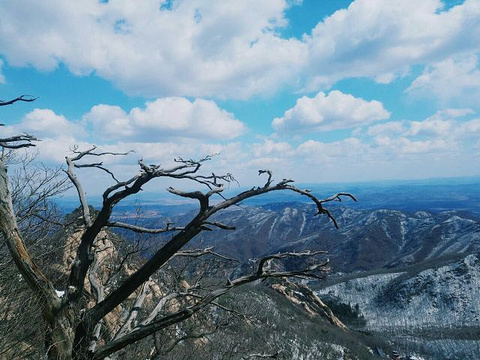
(74, 330)
(32, 188)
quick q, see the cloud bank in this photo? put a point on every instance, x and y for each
(224, 49)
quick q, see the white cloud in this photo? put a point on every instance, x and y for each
(381, 39)
(469, 129)
(443, 123)
(350, 159)
(329, 112)
(399, 149)
(165, 152)
(44, 122)
(164, 129)
(457, 79)
(269, 147)
(195, 48)
(431, 125)
(386, 78)
(164, 118)
(109, 121)
(56, 133)
(453, 113)
(392, 127)
(346, 150)
(402, 145)
(224, 49)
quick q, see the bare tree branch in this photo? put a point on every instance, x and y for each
(88, 327)
(35, 278)
(24, 98)
(193, 336)
(76, 331)
(220, 225)
(203, 252)
(91, 152)
(81, 193)
(146, 329)
(18, 141)
(192, 229)
(141, 229)
(159, 307)
(98, 166)
(132, 316)
(269, 180)
(265, 260)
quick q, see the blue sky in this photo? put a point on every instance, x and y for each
(316, 90)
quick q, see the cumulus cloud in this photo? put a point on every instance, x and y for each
(224, 49)
(443, 123)
(166, 126)
(444, 134)
(269, 147)
(332, 111)
(392, 127)
(351, 159)
(164, 118)
(397, 149)
(430, 125)
(161, 119)
(344, 151)
(451, 79)
(403, 145)
(382, 39)
(45, 123)
(470, 128)
(54, 149)
(192, 48)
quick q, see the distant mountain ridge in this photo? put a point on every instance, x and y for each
(366, 239)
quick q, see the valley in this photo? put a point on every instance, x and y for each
(404, 276)
(410, 272)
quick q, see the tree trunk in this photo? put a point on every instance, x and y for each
(58, 322)
(59, 338)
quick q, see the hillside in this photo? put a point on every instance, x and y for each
(366, 239)
(433, 311)
(270, 317)
(406, 277)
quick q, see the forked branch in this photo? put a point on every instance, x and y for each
(196, 225)
(186, 169)
(148, 328)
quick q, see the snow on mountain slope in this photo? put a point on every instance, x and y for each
(443, 296)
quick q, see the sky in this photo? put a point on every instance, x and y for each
(314, 90)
